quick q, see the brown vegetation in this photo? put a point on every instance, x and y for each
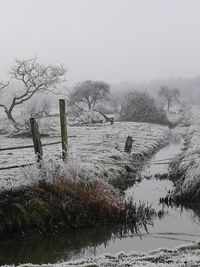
(53, 207)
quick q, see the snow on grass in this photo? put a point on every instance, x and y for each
(175, 114)
(186, 255)
(99, 148)
(188, 166)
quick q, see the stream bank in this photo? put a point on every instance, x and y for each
(166, 230)
(185, 169)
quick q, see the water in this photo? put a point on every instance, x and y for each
(175, 226)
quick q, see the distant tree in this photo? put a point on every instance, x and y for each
(39, 109)
(35, 109)
(35, 78)
(86, 96)
(140, 107)
(169, 95)
(88, 93)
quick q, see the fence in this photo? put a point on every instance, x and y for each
(37, 144)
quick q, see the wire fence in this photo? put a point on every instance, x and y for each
(20, 148)
(37, 144)
(28, 146)
(169, 160)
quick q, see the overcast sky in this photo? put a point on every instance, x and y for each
(111, 40)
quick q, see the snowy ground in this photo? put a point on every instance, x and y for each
(189, 159)
(101, 148)
(98, 148)
(186, 255)
(175, 114)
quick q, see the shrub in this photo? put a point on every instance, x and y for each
(60, 196)
(65, 203)
(140, 107)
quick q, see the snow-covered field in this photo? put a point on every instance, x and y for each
(183, 256)
(99, 148)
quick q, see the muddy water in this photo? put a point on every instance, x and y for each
(174, 226)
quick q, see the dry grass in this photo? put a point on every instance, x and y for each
(62, 204)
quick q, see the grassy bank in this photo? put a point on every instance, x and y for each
(185, 170)
(56, 198)
(67, 201)
(185, 255)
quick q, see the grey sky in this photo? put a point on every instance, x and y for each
(111, 40)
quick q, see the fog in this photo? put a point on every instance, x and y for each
(111, 40)
(189, 88)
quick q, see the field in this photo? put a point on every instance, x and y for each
(97, 148)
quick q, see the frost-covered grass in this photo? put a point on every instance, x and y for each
(65, 198)
(184, 256)
(178, 115)
(98, 148)
(186, 170)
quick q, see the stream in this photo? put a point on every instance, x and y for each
(175, 226)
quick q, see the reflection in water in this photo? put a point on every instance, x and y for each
(52, 248)
(60, 247)
(175, 226)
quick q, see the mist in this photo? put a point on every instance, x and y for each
(99, 132)
(114, 41)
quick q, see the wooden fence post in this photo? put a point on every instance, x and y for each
(128, 144)
(63, 125)
(36, 139)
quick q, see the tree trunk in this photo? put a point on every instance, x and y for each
(89, 106)
(11, 119)
(111, 120)
(168, 106)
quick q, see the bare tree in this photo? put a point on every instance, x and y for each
(3, 85)
(36, 109)
(35, 78)
(169, 95)
(87, 94)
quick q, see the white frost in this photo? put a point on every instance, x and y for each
(95, 147)
(183, 256)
